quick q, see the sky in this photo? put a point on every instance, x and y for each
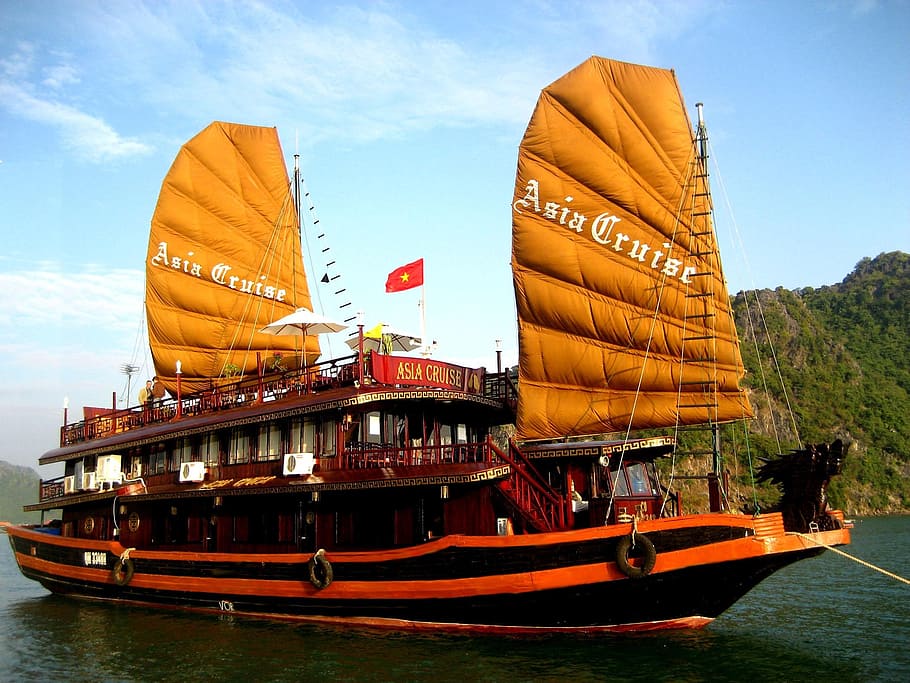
(407, 117)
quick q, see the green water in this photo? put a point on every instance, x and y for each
(827, 618)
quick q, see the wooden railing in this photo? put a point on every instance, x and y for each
(363, 455)
(225, 394)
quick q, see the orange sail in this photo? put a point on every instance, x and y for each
(624, 317)
(224, 258)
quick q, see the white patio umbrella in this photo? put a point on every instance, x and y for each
(385, 339)
(303, 322)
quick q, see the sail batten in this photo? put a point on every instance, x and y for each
(622, 307)
(224, 257)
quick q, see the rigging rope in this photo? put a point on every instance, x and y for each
(855, 559)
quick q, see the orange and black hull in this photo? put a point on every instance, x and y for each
(562, 581)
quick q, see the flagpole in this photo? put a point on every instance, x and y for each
(423, 321)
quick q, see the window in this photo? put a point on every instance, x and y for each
(620, 487)
(269, 445)
(638, 479)
(374, 427)
(209, 449)
(302, 436)
(183, 451)
(157, 460)
(239, 446)
(327, 439)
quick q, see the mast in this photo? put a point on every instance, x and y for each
(701, 141)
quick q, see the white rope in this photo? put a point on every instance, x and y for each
(855, 559)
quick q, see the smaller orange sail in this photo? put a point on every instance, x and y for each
(224, 258)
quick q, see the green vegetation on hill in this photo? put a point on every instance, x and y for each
(18, 487)
(844, 357)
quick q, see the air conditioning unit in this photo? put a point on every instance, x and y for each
(88, 481)
(69, 484)
(192, 471)
(107, 470)
(298, 463)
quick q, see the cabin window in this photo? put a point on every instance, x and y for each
(269, 445)
(209, 449)
(461, 433)
(638, 480)
(157, 460)
(620, 486)
(445, 435)
(327, 439)
(183, 451)
(373, 431)
(302, 437)
(239, 446)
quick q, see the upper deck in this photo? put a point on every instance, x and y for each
(277, 392)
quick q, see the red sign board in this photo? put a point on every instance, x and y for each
(423, 372)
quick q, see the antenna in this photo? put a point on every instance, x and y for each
(129, 370)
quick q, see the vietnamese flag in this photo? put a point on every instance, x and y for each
(406, 277)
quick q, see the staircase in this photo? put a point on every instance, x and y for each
(529, 495)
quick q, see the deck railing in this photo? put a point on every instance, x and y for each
(269, 385)
(364, 455)
(223, 394)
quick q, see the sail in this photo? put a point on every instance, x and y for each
(623, 313)
(224, 258)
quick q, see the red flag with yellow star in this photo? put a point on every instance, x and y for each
(406, 277)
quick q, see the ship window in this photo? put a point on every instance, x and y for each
(183, 451)
(157, 461)
(269, 442)
(209, 449)
(327, 439)
(461, 434)
(302, 437)
(620, 487)
(374, 427)
(239, 446)
(638, 479)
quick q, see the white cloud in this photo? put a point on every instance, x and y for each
(90, 137)
(35, 299)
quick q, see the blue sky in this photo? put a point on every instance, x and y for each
(407, 116)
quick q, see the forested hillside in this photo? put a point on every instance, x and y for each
(844, 357)
(18, 487)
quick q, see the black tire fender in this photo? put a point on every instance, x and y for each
(648, 553)
(321, 573)
(123, 571)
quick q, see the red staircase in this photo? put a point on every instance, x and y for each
(537, 504)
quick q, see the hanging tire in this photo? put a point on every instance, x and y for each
(321, 573)
(123, 570)
(647, 552)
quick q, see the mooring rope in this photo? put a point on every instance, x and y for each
(855, 559)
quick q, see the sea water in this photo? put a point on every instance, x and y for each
(827, 618)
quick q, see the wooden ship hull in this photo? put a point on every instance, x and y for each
(564, 581)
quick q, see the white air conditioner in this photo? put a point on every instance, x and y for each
(298, 463)
(69, 484)
(107, 470)
(192, 471)
(88, 481)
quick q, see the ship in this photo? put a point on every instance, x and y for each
(387, 488)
